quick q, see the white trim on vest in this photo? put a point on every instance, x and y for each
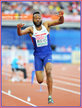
(38, 32)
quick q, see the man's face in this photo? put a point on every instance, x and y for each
(37, 20)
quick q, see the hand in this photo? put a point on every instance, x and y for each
(20, 25)
(60, 13)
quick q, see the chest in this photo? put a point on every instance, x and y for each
(41, 38)
(40, 34)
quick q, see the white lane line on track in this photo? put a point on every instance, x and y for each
(68, 90)
(68, 75)
(67, 83)
(70, 79)
(18, 99)
(61, 77)
(62, 82)
(60, 88)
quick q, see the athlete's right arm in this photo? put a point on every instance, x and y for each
(23, 32)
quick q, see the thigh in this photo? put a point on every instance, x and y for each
(14, 69)
(48, 66)
(21, 69)
(48, 61)
(38, 63)
(17, 69)
(39, 75)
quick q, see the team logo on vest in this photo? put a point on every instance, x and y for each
(41, 39)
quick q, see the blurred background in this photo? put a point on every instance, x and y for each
(65, 43)
(65, 38)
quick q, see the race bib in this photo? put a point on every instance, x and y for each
(41, 40)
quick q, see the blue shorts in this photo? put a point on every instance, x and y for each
(40, 61)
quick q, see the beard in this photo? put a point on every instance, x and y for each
(37, 24)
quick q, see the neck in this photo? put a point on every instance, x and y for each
(39, 28)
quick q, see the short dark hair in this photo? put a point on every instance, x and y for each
(37, 12)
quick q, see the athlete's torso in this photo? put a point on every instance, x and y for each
(41, 41)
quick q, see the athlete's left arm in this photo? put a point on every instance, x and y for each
(60, 20)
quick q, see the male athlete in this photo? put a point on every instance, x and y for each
(39, 34)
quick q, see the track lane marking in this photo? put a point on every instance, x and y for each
(59, 81)
(60, 88)
(68, 75)
(70, 79)
(18, 99)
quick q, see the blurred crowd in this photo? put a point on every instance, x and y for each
(45, 7)
(54, 48)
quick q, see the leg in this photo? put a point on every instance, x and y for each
(39, 76)
(48, 68)
(13, 74)
(24, 72)
(39, 69)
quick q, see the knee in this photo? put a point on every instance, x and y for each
(48, 72)
(40, 81)
(39, 76)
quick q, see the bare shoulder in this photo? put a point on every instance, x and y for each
(46, 25)
(31, 31)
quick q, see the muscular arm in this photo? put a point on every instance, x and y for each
(55, 22)
(23, 32)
